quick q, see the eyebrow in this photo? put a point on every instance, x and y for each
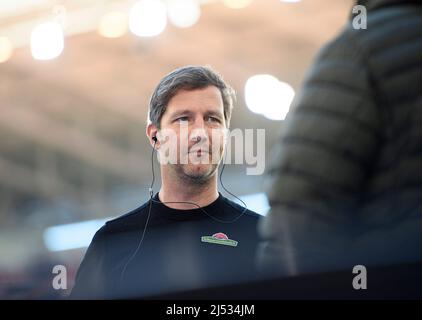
(214, 113)
(181, 113)
(187, 112)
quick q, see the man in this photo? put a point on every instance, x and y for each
(347, 171)
(188, 235)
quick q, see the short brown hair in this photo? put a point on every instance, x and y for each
(188, 78)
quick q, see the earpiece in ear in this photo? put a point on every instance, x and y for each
(154, 138)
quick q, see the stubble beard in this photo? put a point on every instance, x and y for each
(191, 174)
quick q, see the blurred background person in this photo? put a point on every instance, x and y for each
(346, 173)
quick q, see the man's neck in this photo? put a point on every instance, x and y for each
(180, 191)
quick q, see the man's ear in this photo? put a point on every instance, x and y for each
(152, 132)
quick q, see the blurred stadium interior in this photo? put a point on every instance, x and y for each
(73, 144)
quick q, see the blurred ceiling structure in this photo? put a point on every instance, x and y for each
(72, 128)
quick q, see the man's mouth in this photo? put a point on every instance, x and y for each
(199, 152)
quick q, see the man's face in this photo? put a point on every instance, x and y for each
(195, 118)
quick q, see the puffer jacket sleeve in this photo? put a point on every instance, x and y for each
(329, 142)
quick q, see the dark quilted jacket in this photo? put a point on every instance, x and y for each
(346, 174)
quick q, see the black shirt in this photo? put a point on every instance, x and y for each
(175, 254)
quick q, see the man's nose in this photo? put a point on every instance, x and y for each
(198, 132)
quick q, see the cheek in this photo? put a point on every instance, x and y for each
(183, 139)
(217, 140)
(182, 133)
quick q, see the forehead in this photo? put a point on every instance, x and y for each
(201, 100)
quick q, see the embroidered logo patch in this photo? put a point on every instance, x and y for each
(219, 238)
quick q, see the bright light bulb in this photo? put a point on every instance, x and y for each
(6, 49)
(237, 4)
(183, 13)
(113, 25)
(266, 95)
(47, 41)
(148, 18)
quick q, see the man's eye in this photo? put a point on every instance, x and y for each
(214, 119)
(182, 119)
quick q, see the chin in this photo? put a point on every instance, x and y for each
(199, 172)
